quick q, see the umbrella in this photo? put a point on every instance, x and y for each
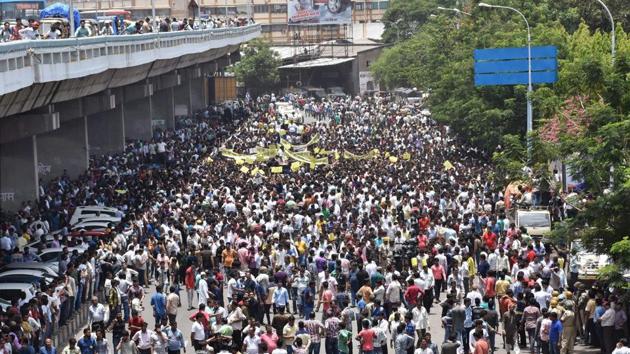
(60, 10)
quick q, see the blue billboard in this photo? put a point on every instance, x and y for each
(508, 66)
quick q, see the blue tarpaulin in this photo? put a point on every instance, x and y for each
(60, 10)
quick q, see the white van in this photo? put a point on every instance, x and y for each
(82, 213)
(537, 222)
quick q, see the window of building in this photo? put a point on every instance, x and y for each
(279, 8)
(383, 5)
(261, 8)
(358, 6)
(367, 63)
(374, 5)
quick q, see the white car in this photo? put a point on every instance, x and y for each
(31, 266)
(96, 213)
(28, 276)
(23, 292)
(92, 225)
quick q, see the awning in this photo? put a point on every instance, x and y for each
(317, 63)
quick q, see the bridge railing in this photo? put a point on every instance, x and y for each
(23, 63)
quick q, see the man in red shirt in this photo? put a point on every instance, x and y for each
(412, 293)
(135, 322)
(490, 239)
(439, 275)
(189, 280)
(481, 345)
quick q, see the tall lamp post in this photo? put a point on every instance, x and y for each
(612, 32)
(530, 123)
(395, 24)
(455, 10)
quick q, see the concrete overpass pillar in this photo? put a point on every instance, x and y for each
(18, 173)
(106, 131)
(163, 108)
(181, 96)
(65, 149)
(198, 93)
(138, 115)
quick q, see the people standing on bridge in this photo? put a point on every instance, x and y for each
(82, 30)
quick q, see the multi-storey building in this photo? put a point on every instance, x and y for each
(271, 14)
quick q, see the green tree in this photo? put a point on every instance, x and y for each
(258, 68)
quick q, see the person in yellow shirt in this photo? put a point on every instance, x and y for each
(301, 248)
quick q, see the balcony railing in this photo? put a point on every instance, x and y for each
(23, 63)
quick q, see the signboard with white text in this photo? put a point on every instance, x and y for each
(323, 12)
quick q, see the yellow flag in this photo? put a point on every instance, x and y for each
(406, 156)
(283, 132)
(276, 169)
(387, 154)
(312, 165)
(244, 169)
(209, 160)
(393, 159)
(448, 165)
(295, 166)
(316, 150)
(239, 161)
(254, 171)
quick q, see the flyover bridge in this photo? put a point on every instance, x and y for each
(64, 100)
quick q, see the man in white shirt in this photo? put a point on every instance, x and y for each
(197, 333)
(96, 315)
(202, 289)
(144, 338)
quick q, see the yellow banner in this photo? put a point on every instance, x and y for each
(244, 169)
(276, 169)
(393, 159)
(448, 165)
(295, 166)
(406, 156)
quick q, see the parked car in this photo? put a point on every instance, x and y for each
(27, 276)
(31, 266)
(96, 213)
(335, 92)
(95, 228)
(22, 291)
(52, 254)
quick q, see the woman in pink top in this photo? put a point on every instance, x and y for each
(366, 337)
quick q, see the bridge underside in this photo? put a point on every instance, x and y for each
(52, 128)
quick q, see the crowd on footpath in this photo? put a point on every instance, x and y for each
(344, 257)
(30, 29)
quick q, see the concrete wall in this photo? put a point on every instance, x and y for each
(65, 149)
(18, 172)
(138, 120)
(106, 131)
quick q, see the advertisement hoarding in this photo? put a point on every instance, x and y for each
(324, 12)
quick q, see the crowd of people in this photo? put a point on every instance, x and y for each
(30, 29)
(403, 222)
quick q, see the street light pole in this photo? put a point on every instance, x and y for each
(71, 18)
(612, 32)
(530, 113)
(457, 11)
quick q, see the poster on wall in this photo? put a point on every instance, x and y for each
(323, 12)
(367, 82)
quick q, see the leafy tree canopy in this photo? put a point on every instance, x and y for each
(258, 68)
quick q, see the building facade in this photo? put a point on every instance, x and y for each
(271, 14)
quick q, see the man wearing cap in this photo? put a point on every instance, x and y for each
(569, 331)
(202, 290)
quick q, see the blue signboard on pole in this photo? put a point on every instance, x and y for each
(509, 66)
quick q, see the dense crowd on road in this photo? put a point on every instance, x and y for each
(30, 29)
(352, 255)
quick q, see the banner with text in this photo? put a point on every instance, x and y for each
(323, 12)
